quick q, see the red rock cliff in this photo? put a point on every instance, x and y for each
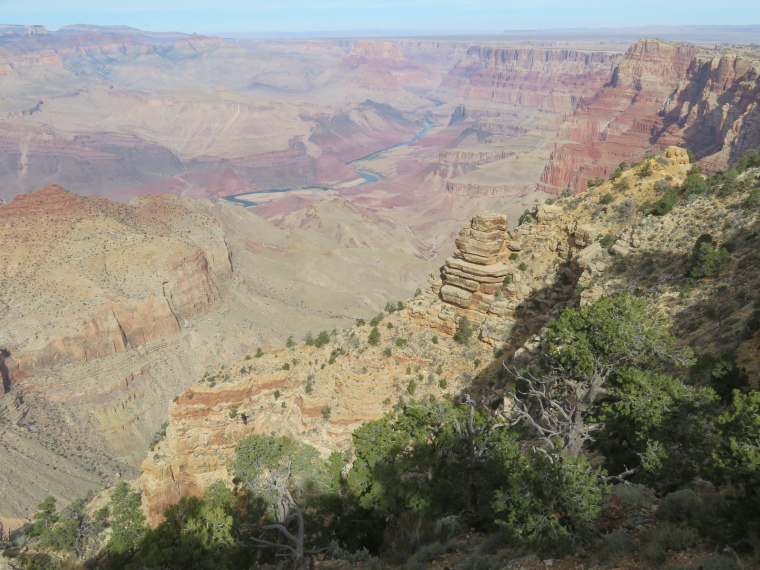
(618, 122)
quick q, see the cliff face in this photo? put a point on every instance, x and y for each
(184, 283)
(528, 76)
(512, 100)
(714, 110)
(660, 94)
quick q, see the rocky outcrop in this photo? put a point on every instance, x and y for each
(502, 281)
(552, 260)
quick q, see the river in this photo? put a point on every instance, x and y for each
(366, 175)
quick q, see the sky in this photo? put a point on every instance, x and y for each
(235, 16)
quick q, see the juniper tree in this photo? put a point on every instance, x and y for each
(281, 472)
(590, 354)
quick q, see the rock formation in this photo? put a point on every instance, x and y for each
(714, 109)
(662, 93)
(498, 278)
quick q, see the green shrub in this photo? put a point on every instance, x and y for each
(401, 342)
(507, 280)
(525, 218)
(376, 320)
(309, 387)
(290, 343)
(663, 186)
(286, 366)
(728, 182)
(523, 266)
(326, 411)
(594, 182)
(513, 256)
(645, 171)
(606, 240)
(753, 200)
(665, 204)
(259, 352)
(374, 336)
(411, 387)
(322, 339)
(387, 351)
(706, 258)
(616, 545)
(608, 198)
(434, 340)
(233, 412)
(360, 322)
(681, 506)
(417, 292)
(464, 331)
(727, 376)
(309, 340)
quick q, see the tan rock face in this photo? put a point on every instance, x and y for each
(94, 323)
(323, 396)
(475, 273)
(714, 109)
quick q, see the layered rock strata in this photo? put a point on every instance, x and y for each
(318, 395)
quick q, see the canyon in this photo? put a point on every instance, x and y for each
(507, 284)
(127, 276)
(110, 310)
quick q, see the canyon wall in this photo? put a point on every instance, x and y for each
(108, 311)
(714, 110)
(660, 94)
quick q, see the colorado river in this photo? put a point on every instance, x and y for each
(244, 198)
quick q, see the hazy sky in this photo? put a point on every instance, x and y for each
(207, 16)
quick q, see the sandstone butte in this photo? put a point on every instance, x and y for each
(552, 260)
